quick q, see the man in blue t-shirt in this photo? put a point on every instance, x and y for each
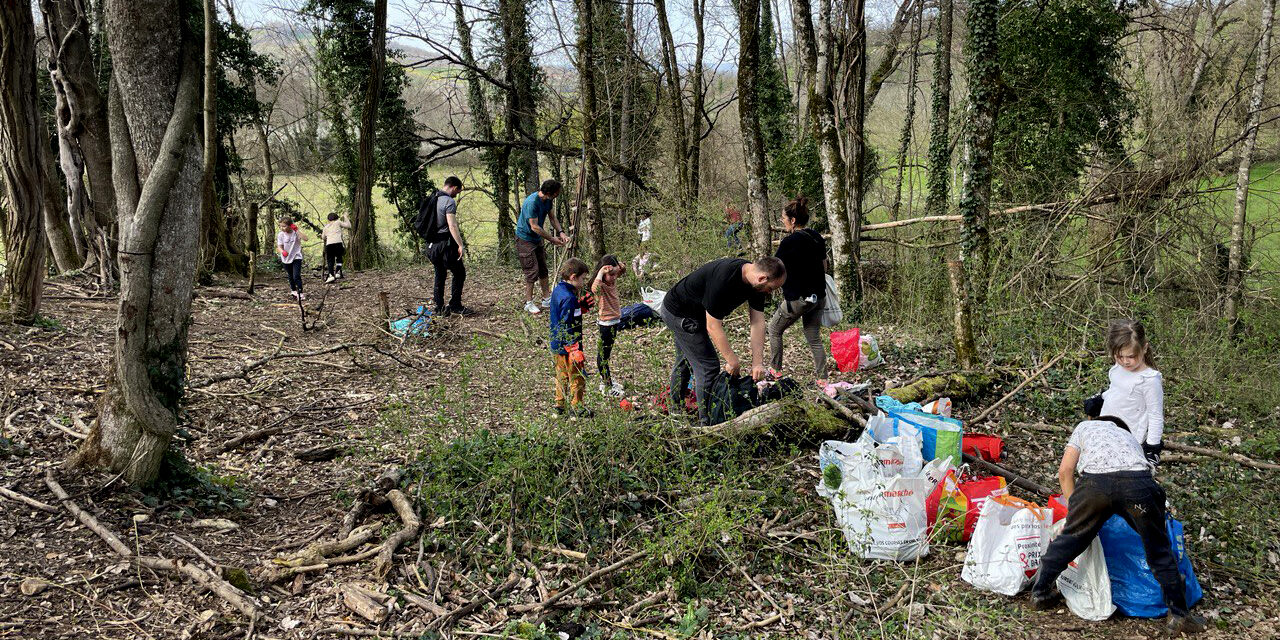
(531, 230)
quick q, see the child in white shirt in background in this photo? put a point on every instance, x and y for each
(1136, 394)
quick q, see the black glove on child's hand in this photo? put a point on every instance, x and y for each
(1153, 451)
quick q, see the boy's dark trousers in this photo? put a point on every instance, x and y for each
(1137, 498)
(444, 257)
(333, 257)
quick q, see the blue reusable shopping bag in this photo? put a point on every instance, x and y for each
(1134, 589)
(940, 436)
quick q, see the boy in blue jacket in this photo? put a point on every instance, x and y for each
(566, 338)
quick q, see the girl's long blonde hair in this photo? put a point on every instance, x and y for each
(1123, 334)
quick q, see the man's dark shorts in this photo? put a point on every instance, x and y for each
(533, 260)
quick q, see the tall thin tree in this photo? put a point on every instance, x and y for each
(21, 162)
(593, 220)
(983, 64)
(364, 250)
(939, 119)
(1235, 256)
(749, 122)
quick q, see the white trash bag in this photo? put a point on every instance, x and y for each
(1006, 546)
(831, 313)
(652, 297)
(1085, 584)
(880, 509)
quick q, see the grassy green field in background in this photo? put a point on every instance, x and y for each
(317, 195)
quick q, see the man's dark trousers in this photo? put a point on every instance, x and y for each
(444, 257)
(693, 350)
(1137, 498)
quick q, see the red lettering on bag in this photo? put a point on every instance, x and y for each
(901, 493)
(897, 525)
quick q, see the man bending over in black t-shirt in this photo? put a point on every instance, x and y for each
(695, 310)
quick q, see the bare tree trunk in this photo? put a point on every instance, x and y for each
(495, 159)
(154, 103)
(892, 54)
(966, 350)
(1235, 257)
(218, 250)
(364, 249)
(62, 242)
(984, 104)
(83, 136)
(675, 107)
(749, 120)
(269, 188)
(939, 120)
(815, 59)
(854, 74)
(908, 123)
(626, 118)
(594, 221)
(697, 112)
(21, 162)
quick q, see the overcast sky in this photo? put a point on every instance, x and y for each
(435, 17)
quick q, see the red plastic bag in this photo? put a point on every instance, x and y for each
(846, 346)
(987, 447)
(1059, 507)
(954, 506)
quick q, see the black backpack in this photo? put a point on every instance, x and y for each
(427, 223)
(729, 397)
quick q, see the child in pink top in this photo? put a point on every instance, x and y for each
(605, 288)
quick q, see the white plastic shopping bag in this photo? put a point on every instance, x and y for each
(1085, 584)
(1006, 546)
(652, 297)
(831, 313)
(886, 520)
(879, 509)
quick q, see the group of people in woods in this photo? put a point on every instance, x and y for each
(1114, 453)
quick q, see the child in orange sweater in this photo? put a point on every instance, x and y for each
(605, 288)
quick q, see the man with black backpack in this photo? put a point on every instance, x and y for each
(437, 223)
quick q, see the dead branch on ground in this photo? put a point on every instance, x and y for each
(213, 583)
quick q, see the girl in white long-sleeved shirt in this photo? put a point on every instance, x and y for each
(1136, 394)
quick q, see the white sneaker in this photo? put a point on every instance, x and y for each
(302, 296)
(293, 293)
(330, 279)
(532, 307)
(618, 390)
(546, 302)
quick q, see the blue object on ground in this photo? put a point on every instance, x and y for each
(1134, 589)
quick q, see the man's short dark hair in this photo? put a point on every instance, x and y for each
(453, 181)
(772, 267)
(333, 216)
(550, 187)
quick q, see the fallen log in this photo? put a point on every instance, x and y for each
(806, 417)
(1224, 456)
(213, 583)
(1013, 478)
(409, 518)
(955, 386)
